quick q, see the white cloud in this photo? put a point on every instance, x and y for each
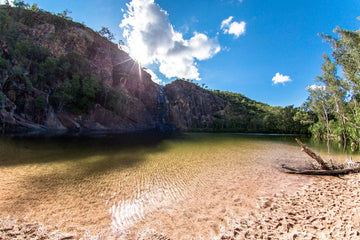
(154, 77)
(226, 22)
(315, 87)
(124, 48)
(151, 38)
(232, 27)
(11, 2)
(279, 78)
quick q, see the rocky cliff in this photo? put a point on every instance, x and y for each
(58, 74)
(192, 106)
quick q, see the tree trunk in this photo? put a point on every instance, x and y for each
(321, 172)
(326, 116)
(343, 121)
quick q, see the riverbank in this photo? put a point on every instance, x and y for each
(327, 209)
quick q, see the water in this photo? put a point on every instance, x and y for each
(188, 186)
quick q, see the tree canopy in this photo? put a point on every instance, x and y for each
(246, 115)
(335, 100)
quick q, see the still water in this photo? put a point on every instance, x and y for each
(188, 186)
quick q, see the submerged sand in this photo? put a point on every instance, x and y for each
(329, 208)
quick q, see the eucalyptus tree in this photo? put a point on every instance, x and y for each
(318, 103)
(336, 102)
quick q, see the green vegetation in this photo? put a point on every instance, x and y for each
(79, 88)
(66, 79)
(335, 101)
(105, 32)
(246, 115)
(33, 78)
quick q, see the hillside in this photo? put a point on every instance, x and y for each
(57, 74)
(245, 115)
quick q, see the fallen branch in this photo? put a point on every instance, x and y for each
(321, 172)
(326, 167)
(323, 164)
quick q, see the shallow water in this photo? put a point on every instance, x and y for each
(188, 186)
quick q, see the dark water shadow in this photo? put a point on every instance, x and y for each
(112, 153)
(288, 139)
(46, 149)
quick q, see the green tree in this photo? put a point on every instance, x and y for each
(35, 8)
(21, 4)
(63, 95)
(336, 104)
(317, 102)
(6, 23)
(65, 14)
(335, 88)
(105, 32)
(4, 64)
(78, 88)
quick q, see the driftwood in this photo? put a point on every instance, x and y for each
(323, 164)
(326, 167)
(321, 172)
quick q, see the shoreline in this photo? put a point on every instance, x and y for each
(329, 208)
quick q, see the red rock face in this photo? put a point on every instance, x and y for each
(191, 106)
(144, 104)
(114, 68)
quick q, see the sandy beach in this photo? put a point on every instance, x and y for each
(15, 229)
(329, 208)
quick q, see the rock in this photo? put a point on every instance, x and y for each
(68, 122)
(192, 106)
(52, 121)
(143, 104)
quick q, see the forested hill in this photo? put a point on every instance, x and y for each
(246, 115)
(59, 74)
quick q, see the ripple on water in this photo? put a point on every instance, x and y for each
(149, 196)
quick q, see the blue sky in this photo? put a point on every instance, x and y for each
(267, 50)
